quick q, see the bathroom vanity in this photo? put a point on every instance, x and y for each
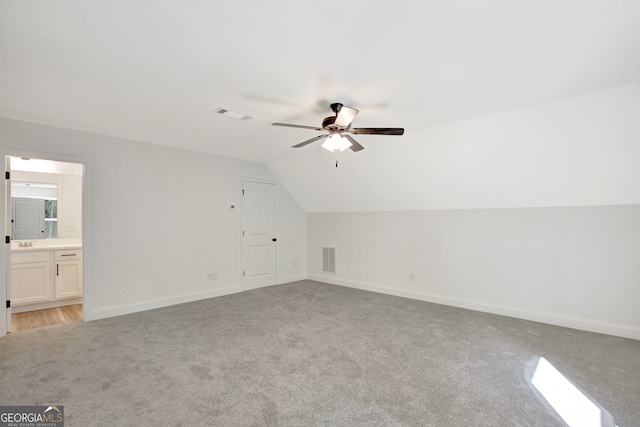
(46, 275)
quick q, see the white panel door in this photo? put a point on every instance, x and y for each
(27, 218)
(259, 234)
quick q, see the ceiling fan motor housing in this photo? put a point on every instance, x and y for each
(328, 122)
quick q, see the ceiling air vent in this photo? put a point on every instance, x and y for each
(328, 260)
(233, 114)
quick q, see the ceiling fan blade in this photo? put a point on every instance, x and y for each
(287, 125)
(355, 145)
(309, 141)
(345, 116)
(377, 131)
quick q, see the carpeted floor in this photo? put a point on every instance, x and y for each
(309, 353)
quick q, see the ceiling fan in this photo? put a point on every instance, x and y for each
(336, 126)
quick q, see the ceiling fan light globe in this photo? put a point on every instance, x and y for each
(336, 143)
(345, 116)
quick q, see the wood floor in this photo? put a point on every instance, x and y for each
(51, 316)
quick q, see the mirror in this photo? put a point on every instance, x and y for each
(57, 187)
(34, 210)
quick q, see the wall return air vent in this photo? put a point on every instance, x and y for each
(328, 260)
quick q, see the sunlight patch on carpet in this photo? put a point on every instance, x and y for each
(573, 406)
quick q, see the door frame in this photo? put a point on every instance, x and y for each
(243, 214)
(5, 219)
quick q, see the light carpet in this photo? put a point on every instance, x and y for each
(313, 354)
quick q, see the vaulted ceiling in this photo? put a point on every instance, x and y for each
(156, 71)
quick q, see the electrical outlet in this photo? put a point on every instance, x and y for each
(412, 277)
(212, 276)
(295, 264)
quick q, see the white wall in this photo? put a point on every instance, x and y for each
(292, 239)
(574, 266)
(532, 213)
(159, 218)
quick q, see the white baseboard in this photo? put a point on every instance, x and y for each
(590, 325)
(45, 305)
(103, 313)
(289, 279)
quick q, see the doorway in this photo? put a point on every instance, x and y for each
(44, 261)
(259, 234)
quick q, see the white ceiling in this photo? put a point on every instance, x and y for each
(156, 71)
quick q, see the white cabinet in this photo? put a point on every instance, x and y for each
(31, 278)
(44, 279)
(68, 282)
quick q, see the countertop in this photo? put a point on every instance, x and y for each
(48, 245)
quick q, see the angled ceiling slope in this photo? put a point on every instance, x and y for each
(157, 72)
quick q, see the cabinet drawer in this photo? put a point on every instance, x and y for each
(25, 257)
(68, 254)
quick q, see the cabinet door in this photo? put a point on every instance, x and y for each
(30, 283)
(68, 279)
